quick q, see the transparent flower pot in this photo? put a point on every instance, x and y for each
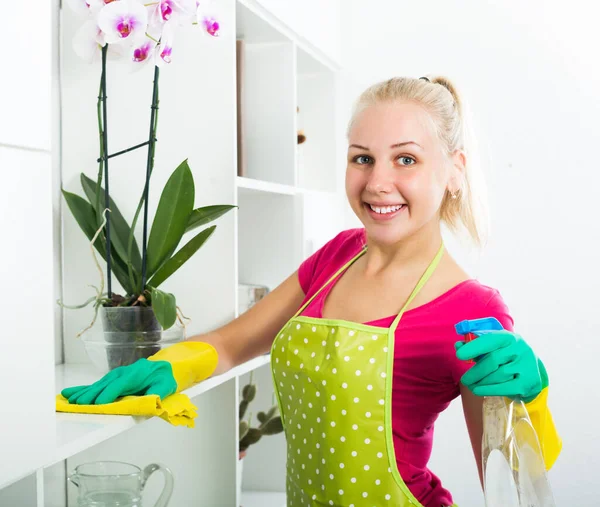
(128, 334)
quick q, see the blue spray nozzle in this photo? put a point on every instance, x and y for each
(473, 326)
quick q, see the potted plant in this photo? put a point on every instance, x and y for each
(134, 323)
(269, 423)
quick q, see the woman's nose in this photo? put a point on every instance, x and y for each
(380, 179)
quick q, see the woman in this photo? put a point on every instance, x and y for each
(363, 335)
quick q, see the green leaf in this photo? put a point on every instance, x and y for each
(165, 308)
(83, 213)
(206, 214)
(85, 217)
(120, 230)
(175, 262)
(174, 208)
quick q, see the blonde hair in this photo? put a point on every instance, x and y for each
(439, 97)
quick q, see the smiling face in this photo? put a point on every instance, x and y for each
(398, 171)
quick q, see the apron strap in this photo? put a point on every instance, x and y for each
(333, 277)
(424, 279)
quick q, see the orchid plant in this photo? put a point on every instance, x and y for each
(140, 33)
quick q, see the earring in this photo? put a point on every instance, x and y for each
(453, 195)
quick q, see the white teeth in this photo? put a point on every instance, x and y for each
(385, 209)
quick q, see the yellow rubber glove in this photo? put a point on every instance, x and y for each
(542, 421)
(191, 362)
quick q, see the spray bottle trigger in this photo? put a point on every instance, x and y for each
(472, 326)
(469, 328)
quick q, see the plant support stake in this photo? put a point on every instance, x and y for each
(149, 167)
(104, 154)
(122, 152)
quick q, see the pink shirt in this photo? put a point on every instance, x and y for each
(426, 370)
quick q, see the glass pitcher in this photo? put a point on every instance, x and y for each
(117, 484)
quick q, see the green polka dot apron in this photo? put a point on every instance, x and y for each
(333, 380)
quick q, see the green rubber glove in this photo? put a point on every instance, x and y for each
(140, 378)
(505, 366)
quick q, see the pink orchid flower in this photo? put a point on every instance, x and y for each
(206, 17)
(165, 48)
(123, 21)
(171, 10)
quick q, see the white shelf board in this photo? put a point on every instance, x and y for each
(253, 185)
(263, 499)
(78, 432)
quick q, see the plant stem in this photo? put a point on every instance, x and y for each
(103, 155)
(149, 167)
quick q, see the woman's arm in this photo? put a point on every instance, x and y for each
(253, 332)
(473, 410)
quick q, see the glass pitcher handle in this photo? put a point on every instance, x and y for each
(165, 496)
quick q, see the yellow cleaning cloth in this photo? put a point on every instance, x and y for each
(176, 409)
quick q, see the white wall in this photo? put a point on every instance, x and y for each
(529, 70)
(26, 245)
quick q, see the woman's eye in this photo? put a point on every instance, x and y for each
(404, 160)
(362, 159)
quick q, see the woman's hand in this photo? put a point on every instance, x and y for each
(170, 370)
(140, 378)
(505, 366)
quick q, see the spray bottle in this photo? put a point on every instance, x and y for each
(514, 473)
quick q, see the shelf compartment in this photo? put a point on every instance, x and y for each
(316, 99)
(267, 111)
(255, 27)
(264, 467)
(309, 63)
(268, 237)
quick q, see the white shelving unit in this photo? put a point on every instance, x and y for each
(286, 85)
(286, 209)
